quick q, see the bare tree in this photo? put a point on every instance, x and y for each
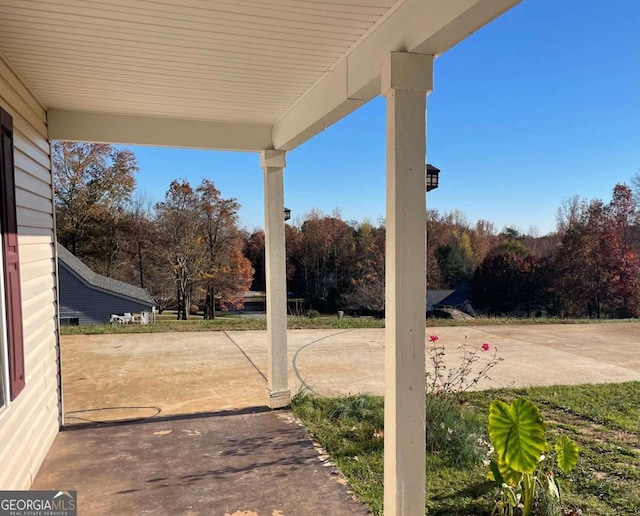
(569, 212)
(227, 273)
(180, 241)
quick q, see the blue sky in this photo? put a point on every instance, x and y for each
(540, 105)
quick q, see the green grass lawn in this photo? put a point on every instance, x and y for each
(223, 323)
(228, 322)
(604, 420)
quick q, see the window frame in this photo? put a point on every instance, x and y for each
(12, 358)
(5, 386)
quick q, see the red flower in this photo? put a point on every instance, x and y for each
(433, 338)
(485, 347)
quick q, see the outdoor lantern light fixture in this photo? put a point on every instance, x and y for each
(432, 177)
(287, 213)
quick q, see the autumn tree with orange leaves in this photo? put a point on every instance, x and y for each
(597, 271)
(201, 242)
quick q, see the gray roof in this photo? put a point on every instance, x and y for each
(99, 281)
(454, 297)
(439, 297)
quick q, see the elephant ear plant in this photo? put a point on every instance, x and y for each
(523, 466)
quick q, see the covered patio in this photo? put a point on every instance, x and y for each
(236, 463)
(260, 77)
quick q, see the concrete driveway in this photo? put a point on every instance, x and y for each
(113, 377)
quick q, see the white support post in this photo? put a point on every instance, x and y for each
(406, 80)
(273, 163)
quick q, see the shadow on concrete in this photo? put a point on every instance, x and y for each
(221, 463)
(88, 423)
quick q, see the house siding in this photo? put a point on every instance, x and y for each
(30, 423)
(89, 304)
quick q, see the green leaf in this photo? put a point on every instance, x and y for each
(512, 497)
(494, 473)
(557, 483)
(508, 475)
(567, 452)
(517, 434)
(549, 483)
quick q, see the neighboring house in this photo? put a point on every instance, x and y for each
(87, 297)
(456, 298)
(255, 301)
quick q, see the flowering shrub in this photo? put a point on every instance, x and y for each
(452, 429)
(455, 380)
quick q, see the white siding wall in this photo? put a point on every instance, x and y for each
(30, 423)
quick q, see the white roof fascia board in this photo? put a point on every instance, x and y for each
(416, 26)
(165, 132)
(326, 103)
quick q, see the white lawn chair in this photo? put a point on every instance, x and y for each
(121, 319)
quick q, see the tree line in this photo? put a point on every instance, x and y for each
(190, 252)
(186, 250)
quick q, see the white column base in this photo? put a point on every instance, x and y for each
(278, 399)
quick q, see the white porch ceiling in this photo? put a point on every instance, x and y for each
(236, 74)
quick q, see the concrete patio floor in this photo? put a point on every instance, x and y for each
(233, 464)
(237, 459)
